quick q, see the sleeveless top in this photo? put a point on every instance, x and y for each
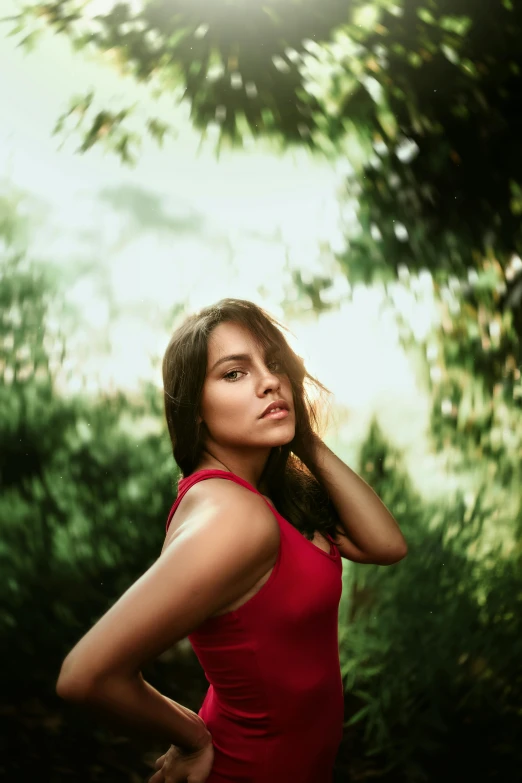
(275, 705)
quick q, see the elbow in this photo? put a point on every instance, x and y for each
(72, 685)
(68, 693)
(392, 555)
(398, 554)
(402, 554)
(70, 689)
(81, 684)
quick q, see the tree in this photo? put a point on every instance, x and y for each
(237, 63)
(83, 484)
(431, 91)
(429, 87)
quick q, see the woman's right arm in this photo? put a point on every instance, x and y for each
(220, 550)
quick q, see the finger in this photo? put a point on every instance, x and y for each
(159, 762)
(158, 777)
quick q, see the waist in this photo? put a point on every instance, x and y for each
(297, 705)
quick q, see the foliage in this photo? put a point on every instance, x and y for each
(443, 190)
(469, 363)
(431, 86)
(439, 195)
(430, 90)
(236, 63)
(85, 484)
(478, 396)
(430, 655)
(80, 504)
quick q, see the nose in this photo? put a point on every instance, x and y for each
(270, 382)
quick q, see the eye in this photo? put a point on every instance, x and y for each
(229, 373)
(277, 363)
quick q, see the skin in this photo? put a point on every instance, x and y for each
(235, 395)
(222, 542)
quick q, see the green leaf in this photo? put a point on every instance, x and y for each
(358, 715)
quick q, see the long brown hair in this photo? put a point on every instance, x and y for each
(294, 489)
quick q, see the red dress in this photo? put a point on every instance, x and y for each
(275, 702)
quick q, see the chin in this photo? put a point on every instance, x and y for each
(283, 439)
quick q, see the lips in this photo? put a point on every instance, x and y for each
(277, 404)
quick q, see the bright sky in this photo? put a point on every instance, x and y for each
(183, 227)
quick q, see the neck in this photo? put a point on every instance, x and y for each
(247, 466)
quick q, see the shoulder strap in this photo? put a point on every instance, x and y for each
(200, 475)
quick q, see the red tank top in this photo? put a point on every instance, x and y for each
(275, 702)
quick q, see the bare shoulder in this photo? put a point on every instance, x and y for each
(237, 510)
(222, 544)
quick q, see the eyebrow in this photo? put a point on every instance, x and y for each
(233, 357)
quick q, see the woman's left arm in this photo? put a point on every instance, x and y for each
(371, 534)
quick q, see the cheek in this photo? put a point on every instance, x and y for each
(222, 403)
(286, 388)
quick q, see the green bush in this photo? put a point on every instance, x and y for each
(431, 647)
(85, 487)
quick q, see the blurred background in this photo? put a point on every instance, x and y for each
(353, 167)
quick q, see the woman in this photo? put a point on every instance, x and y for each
(250, 569)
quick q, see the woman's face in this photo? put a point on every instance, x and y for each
(237, 391)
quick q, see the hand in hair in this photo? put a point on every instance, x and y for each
(303, 444)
